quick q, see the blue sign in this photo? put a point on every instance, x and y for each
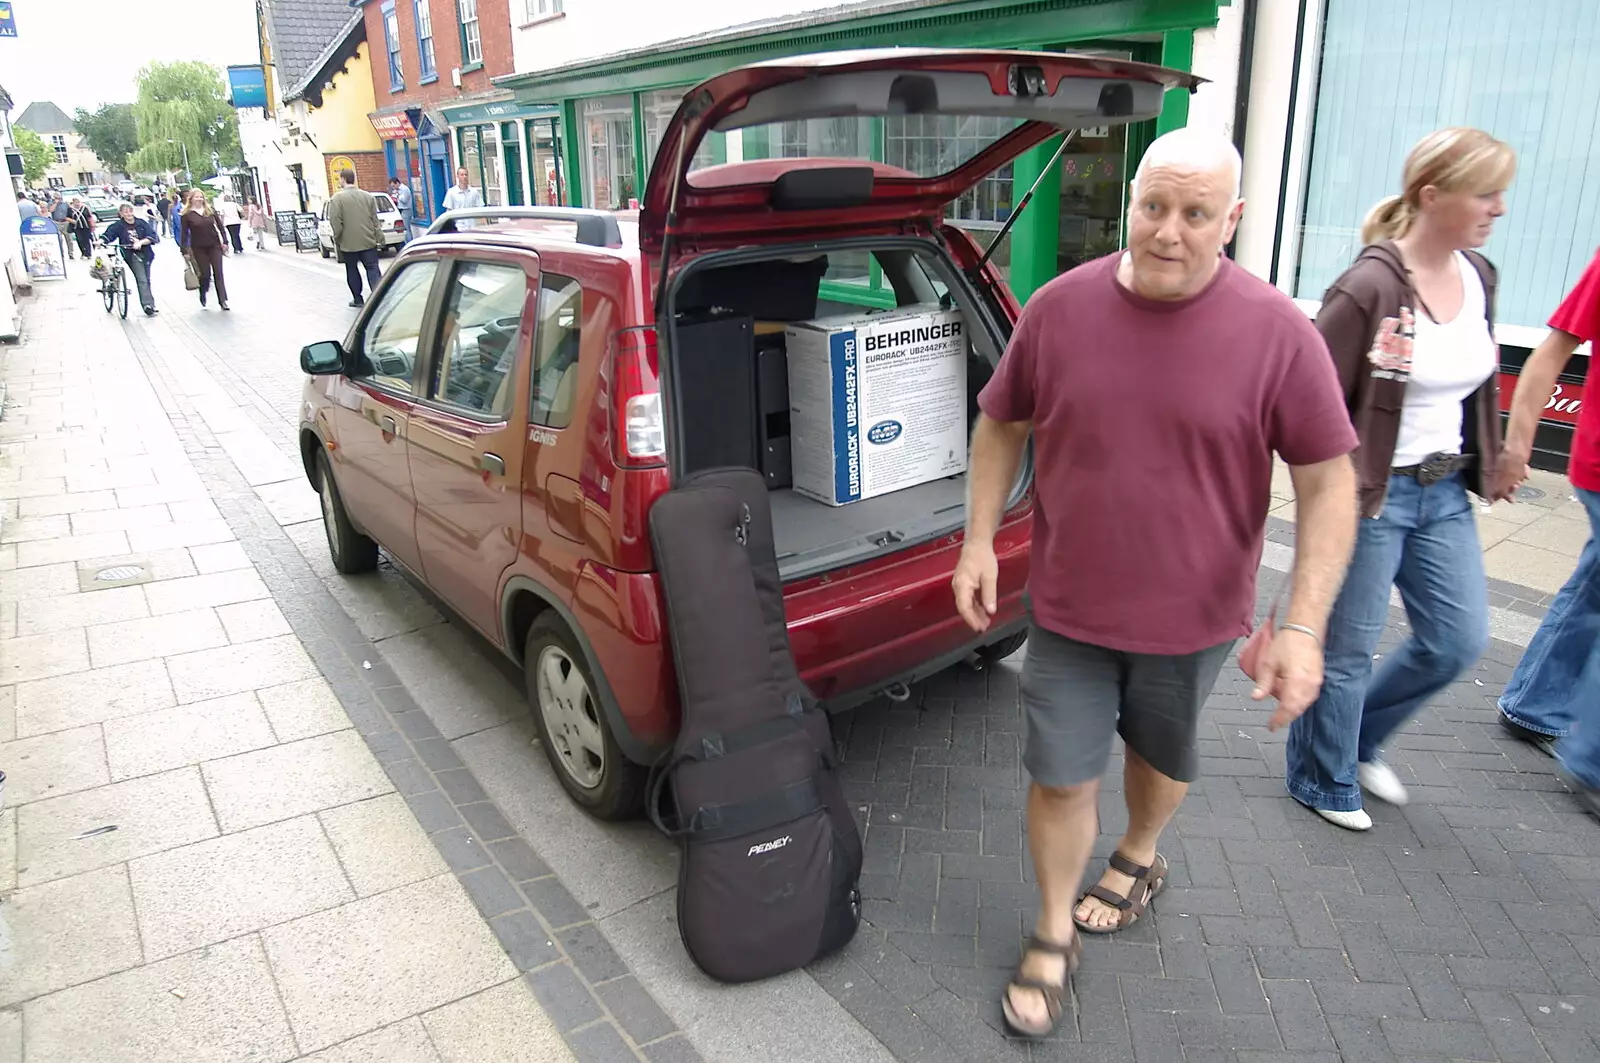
(38, 225)
(8, 20)
(248, 85)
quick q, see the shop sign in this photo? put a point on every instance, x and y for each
(392, 126)
(8, 21)
(486, 112)
(335, 164)
(248, 86)
(1562, 407)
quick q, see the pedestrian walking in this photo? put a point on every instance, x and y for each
(25, 207)
(461, 194)
(1133, 618)
(175, 214)
(353, 215)
(1410, 327)
(83, 224)
(61, 214)
(232, 219)
(1553, 699)
(202, 236)
(136, 241)
(257, 220)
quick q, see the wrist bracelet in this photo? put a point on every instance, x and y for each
(1303, 630)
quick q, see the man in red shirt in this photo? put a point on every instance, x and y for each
(1156, 385)
(1557, 683)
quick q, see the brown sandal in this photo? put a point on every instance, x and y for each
(1052, 992)
(1147, 882)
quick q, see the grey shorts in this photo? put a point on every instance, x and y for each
(1076, 696)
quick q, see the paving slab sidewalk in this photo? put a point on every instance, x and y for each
(200, 858)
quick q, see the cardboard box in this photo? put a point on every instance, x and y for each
(877, 402)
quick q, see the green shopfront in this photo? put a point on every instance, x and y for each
(617, 108)
(512, 151)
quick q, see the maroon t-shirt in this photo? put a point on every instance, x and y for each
(1154, 426)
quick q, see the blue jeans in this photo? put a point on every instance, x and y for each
(1556, 687)
(1425, 542)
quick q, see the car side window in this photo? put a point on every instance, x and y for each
(556, 341)
(477, 344)
(390, 337)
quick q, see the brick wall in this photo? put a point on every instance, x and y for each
(371, 173)
(494, 29)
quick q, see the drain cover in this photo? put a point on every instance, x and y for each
(1529, 494)
(121, 572)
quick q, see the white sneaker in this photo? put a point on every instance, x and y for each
(1379, 780)
(1357, 819)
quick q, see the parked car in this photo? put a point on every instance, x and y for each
(104, 209)
(390, 224)
(515, 395)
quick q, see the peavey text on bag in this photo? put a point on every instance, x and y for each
(771, 854)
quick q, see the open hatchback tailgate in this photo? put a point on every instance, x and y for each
(1037, 93)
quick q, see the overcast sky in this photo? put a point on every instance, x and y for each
(82, 53)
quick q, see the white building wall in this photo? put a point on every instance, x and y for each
(1269, 138)
(593, 28)
(1216, 58)
(273, 145)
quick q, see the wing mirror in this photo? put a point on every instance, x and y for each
(322, 359)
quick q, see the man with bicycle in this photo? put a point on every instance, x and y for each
(136, 239)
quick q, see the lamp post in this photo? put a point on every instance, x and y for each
(188, 178)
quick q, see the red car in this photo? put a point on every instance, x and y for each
(526, 381)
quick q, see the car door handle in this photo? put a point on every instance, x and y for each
(389, 425)
(492, 463)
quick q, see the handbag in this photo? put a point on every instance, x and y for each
(191, 282)
(1255, 648)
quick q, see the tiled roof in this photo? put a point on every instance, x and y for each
(300, 31)
(45, 117)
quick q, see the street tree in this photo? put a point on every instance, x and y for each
(37, 156)
(183, 105)
(111, 131)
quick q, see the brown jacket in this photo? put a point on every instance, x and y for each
(1366, 319)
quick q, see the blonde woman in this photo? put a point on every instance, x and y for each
(205, 241)
(1410, 328)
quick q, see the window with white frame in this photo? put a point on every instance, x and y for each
(1395, 70)
(424, 21)
(59, 142)
(657, 109)
(538, 9)
(471, 40)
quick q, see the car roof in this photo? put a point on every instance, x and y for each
(541, 236)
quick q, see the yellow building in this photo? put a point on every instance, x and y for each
(319, 93)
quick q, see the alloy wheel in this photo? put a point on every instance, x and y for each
(571, 717)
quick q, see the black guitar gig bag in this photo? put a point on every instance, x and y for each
(771, 855)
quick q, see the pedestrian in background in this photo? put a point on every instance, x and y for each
(83, 223)
(61, 214)
(1131, 623)
(400, 192)
(462, 195)
(136, 241)
(232, 220)
(256, 218)
(174, 214)
(353, 215)
(205, 240)
(1554, 695)
(1411, 329)
(25, 207)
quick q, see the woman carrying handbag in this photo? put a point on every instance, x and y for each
(1410, 328)
(205, 241)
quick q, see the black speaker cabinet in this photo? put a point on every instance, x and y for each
(713, 362)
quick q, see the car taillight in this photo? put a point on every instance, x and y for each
(399, 226)
(638, 425)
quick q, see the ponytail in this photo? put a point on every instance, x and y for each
(1389, 220)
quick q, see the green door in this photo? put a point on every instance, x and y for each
(513, 147)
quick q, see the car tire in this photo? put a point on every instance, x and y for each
(351, 551)
(573, 729)
(992, 654)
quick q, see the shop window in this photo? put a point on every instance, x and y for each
(391, 44)
(1094, 189)
(424, 19)
(489, 151)
(658, 108)
(471, 39)
(544, 164)
(934, 144)
(1393, 71)
(609, 181)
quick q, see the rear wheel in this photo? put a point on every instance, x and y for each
(122, 293)
(108, 292)
(572, 726)
(351, 551)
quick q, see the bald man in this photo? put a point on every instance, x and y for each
(1157, 384)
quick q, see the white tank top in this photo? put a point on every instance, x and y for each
(1448, 363)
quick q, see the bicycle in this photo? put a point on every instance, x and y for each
(113, 275)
